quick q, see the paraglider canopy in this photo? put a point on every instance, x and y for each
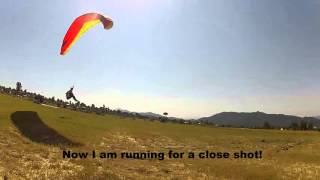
(81, 25)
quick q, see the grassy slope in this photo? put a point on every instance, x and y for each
(22, 158)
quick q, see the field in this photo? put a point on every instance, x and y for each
(33, 138)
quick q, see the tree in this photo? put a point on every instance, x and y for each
(164, 118)
(310, 126)
(303, 125)
(266, 125)
(294, 126)
(18, 86)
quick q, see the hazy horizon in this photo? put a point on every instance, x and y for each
(189, 58)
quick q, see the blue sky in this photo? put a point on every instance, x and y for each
(190, 58)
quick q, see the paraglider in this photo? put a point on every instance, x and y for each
(81, 25)
(69, 94)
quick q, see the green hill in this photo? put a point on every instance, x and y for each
(33, 138)
(257, 119)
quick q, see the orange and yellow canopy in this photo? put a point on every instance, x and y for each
(81, 25)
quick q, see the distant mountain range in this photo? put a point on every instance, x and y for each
(244, 119)
(148, 114)
(123, 110)
(154, 115)
(257, 119)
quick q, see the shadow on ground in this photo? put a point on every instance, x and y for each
(32, 127)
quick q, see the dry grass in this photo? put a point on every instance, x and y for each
(286, 154)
